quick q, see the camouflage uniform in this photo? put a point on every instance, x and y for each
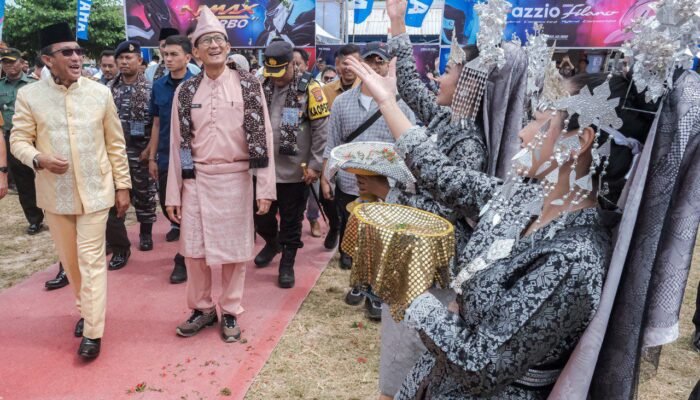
(132, 103)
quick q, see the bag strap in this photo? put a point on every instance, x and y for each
(365, 125)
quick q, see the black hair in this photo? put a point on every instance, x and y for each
(156, 58)
(328, 68)
(347, 50)
(106, 53)
(144, 62)
(46, 51)
(635, 124)
(38, 62)
(302, 53)
(180, 40)
(472, 51)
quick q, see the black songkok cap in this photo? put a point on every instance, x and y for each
(56, 33)
(167, 32)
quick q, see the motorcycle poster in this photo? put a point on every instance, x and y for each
(249, 23)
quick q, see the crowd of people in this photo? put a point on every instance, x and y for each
(212, 137)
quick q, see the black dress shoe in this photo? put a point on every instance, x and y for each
(119, 260)
(374, 309)
(173, 235)
(345, 261)
(267, 254)
(35, 228)
(145, 242)
(89, 348)
(61, 280)
(179, 274)
(331, 241)
(79, 328)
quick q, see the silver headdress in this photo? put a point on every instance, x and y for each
(472, 81)
(662, 43)
(539, 57)
(457, 54)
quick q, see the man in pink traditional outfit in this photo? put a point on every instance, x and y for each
(220, 131)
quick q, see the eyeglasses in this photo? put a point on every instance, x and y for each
(207, 40)
(329, 78)
(69, 52)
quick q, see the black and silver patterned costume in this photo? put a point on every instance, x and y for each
(522, 312)
(465, 147)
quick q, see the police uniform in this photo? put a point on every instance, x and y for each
(310, 119)
(133, 101)
(22, 175)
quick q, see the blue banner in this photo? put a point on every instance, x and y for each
(2, 16)
(460, 20)
(83, 15)
(416, 12)
(363, 8)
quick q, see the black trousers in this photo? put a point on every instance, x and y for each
(342, 200)
(23, 177)
(696, 317)
(116, 236)
(291, 204)
(162, 189)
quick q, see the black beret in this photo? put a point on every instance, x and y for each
(129, 46)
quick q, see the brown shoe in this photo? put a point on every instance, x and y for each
(315, 228)
(196, 322)
(230, 331)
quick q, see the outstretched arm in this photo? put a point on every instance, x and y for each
(411, 88)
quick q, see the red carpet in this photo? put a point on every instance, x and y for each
(38, 357)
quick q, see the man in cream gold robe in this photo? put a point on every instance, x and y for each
(68, 130)
(220, 131)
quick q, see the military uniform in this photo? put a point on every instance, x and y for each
(133, 101)
(299, 117)
(22, 175)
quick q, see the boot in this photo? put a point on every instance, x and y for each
(286, 277)
(267, 254)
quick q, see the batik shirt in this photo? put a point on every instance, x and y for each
(522, 310)
(465, 147)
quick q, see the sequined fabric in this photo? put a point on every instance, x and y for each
(400, 251)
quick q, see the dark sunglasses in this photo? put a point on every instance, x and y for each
(69, 52)
(328, 78)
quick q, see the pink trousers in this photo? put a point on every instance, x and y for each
(199, 286)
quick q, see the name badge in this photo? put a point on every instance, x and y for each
(196, 105)
(138, 129)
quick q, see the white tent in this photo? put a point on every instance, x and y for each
(323, 37)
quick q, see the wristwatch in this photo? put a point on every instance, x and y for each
(35, 162)
(3, 169)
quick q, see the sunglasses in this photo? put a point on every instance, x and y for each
(328, 78)
(69, 52)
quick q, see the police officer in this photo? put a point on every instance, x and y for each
(299, 118)
(23, 176)
(132, 93)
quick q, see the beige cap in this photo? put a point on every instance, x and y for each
(207, 23)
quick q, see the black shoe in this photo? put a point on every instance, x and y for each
(119, 260)
(173, 235)
(696, 341)
(331, 241)
(355, 297)
(35, 228)
(286, 276)
(179, 274)
(345, 261)
(374, 309)
(267, 254)
(79, 328)
(61, 280)
(89, 348)
(145, 242)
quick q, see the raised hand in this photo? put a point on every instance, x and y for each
(382, 89)
(396, 10)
